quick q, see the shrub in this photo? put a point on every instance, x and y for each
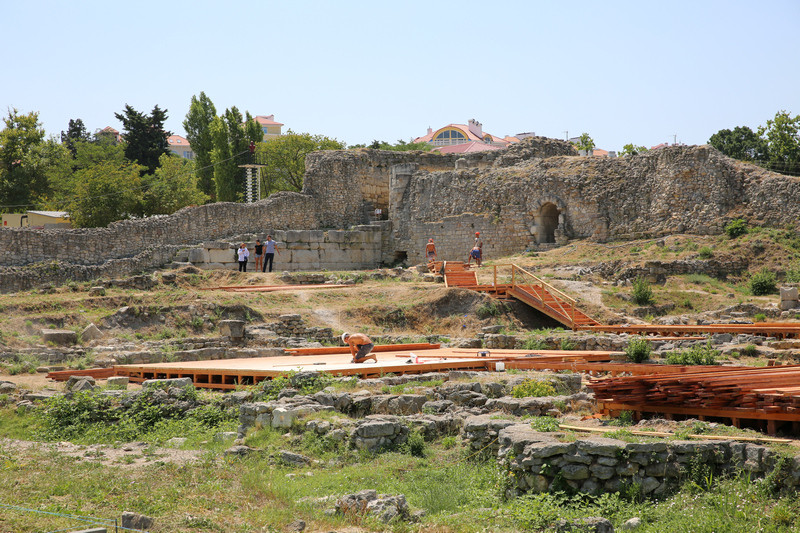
(696, 355)
(750, 350)
(763, 282)
(759, 317)
(642, 293)
(533, 388)
(736, 228)
(449, 442)
(415, 445)
(793, 273)
(705, 252)
(489, 309)
(638, 350)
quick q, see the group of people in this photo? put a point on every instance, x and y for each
(264, 252)
(476, 252)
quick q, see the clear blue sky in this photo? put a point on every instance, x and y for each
(633, 71)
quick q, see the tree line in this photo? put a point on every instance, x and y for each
(774, 146)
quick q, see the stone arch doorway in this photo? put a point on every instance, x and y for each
(547, 220)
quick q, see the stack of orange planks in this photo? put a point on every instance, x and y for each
(770, 389)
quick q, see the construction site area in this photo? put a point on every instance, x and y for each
(598, 349)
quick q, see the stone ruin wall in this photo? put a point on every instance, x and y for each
(692, 190)
(448, 197)
(128, 238)
(349, 185)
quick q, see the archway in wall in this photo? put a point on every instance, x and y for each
(548, 222)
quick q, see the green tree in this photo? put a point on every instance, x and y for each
(585, 142)
(232, 135)
(103, 193)
(19, 183)
(76, 132)
(781, 135)
(632, 149)
(284, 158)
(741, 143)
(197, 125)
(145, 137)
(399, 146)
(172, 187)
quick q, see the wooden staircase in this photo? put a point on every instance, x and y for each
(524, 287)
(551, 302)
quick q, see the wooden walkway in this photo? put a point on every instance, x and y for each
(393, 359)
(512, 281)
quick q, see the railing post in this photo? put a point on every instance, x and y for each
(495, 275)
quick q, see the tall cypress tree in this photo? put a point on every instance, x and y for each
(198, 132)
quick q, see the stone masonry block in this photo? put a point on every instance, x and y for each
(298, 257)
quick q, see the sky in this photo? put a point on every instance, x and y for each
(624, 72)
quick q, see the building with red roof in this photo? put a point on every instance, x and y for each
(458, 134)
(180, 146)
(268, 125)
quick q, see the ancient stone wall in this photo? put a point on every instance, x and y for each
(125, 239)
(539, 462)
(671, 190)
(537, 193)
(299, 250)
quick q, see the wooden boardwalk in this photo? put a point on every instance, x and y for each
(397, 359)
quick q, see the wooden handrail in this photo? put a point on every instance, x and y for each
(546, 287)
(544, 283)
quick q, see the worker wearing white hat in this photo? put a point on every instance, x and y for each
(360, 346)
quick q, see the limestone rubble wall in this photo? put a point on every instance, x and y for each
(447, 197)
(128, 238)
(671, 190)
(539, 462)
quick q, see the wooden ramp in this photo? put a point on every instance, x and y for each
(522, 286)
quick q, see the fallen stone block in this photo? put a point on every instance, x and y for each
(60, 337)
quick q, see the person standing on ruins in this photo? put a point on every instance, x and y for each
(430, 251)
(360, 346)
(270, 248)
(476, 252)
(259, 251)
(243, 253)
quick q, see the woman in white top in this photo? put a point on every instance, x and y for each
(244, 253)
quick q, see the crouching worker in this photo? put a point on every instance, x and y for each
(360, 346)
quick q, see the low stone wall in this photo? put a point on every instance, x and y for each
(657, 271)
(540, 462)
(355, 249)
(57, 272)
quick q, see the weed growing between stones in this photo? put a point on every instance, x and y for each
(736, 228)
(534, 388)
(151, 415)
(702, 354)
(532, 342)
